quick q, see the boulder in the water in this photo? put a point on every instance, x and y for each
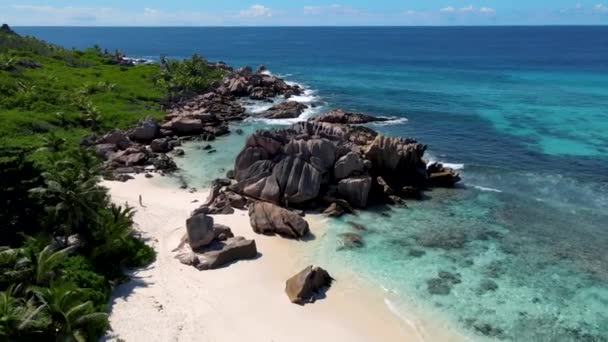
(285, 110)
(441, 176)
(350, 241)
(338, 116)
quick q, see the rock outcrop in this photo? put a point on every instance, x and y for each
(308, 285)
(7, 29)
(301, 165)
(269, 219)
(260, 85)
(204, 116)
(338, 116)
(441, 176)
(285, 110)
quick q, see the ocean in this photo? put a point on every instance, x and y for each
(519, 252)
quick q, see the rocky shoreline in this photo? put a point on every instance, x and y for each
(331, 163)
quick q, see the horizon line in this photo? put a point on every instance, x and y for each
(307, 26)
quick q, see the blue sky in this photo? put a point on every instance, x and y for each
(302, 12)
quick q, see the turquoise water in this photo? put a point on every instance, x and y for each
(519, 252)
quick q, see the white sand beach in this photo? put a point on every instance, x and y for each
(169, 301)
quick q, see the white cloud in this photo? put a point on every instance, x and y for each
(31, 8)
(601, 8)
(70, 15)
(409, 12)
(151, 11)
(331, 9)
(256, 11)
(469, 8)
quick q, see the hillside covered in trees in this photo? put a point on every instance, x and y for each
(64, 244)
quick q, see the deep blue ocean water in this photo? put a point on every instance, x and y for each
(523, 111)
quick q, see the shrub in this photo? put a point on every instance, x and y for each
(185, 78)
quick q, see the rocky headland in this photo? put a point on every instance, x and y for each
(331, 163)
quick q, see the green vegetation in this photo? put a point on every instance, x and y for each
(188, 77)
(65, 245)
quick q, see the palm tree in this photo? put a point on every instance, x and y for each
(18, 317)
(114, 229)
(7, 63)
(52, 143)
(72, 196)
(70, 315)
(14, 266)
(88, 163)
(45, 263)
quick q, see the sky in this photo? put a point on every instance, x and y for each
(302, 12)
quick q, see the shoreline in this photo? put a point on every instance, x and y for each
(171, 301)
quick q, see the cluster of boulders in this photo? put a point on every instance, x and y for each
(209, 113)
(257, 85)
(206, 115)
(266, 218)
(140, 149)
(210, 246)
(220, 200)
(315, 163)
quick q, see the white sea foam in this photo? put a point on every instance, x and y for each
(395, 311)
(307, 97)
(483, 188)
(453, 166)
(432, 159)
(306, 114)
(392, 121)
(257, 107)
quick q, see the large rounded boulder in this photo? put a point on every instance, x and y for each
(200, 231)
(355, 190)
(267, 218)
(145, 131)
(308, 285)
